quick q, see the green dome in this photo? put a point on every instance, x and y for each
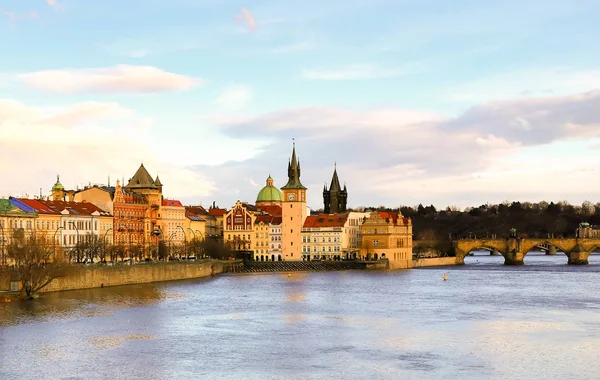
(269, 193)
(58, 185)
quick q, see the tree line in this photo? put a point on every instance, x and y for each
(540, 219)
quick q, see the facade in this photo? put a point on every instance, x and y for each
(195, 223)
(262, 239)
(173, 222)
(48, 221)
(323, 237)
(587, 231)
(59, 193)
(269, 195)
(352, 229)
(294, 212)
(101, 196)
(275, 236)
(387, 235)
(130, 211)
(238, 227)
(16, 219)
(219, 215)
(336, 198)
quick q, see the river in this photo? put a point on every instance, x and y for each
(487, 321)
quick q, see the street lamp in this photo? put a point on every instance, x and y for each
(104, 242)
(77, 238)
(170, 238)
(54, 240)
(3, 256)
(184, 241)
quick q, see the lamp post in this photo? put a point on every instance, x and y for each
(77, 238)
(54, 241)
(184, 241)
(170, 238)
(104, 242)
(3, 256)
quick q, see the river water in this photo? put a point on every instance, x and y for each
(487, 321)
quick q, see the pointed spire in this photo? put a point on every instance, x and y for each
(294, 171)
(335, 181)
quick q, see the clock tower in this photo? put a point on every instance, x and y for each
(293, 211)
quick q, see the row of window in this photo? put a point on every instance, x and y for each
(336, 248)
(306, 239)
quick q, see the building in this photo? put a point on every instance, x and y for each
(101, 196)
(336, 198)
(323, 237)
(195, 223)
(173, 221)
(17, 220)
(130, 213)
(48, 221)
(587, 231)
(275, 237)
(60, 194)
(332, 236)
(387, 235)
(269, 195)
(294, 211)
(218, 214)
(239, 227)
(262, 240)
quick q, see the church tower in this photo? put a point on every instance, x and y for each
(58, 190)
(335, 199)
(293, 211)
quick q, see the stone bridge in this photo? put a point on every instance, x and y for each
(515, 249)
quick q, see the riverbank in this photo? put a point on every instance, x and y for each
(98, 276)
(102, 276)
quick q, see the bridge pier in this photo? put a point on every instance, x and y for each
(494, 252)
(551, 251)
(514, 258)
(578, 257)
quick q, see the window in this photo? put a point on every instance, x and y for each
(375, 242)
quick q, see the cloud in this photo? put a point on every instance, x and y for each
(247, 19)
(19, 16)
(51, 3)
(79, 142)
(234, 97)
(493, 151)
(118, 79)
(354, 72)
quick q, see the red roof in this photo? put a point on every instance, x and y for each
(263, 218)
(271, 210)
(196, 210)
(55, 207)
(217, 211)
(393, 216)
(171, 203)
(325, 220)
(39, 207)
(276, 220)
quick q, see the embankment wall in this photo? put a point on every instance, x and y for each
(96, 277)
(433, 262)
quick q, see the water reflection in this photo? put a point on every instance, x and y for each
(487, 321)
(79, 304)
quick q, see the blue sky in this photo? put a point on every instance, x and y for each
(443, 102)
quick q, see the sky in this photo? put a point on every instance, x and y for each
(450, 103)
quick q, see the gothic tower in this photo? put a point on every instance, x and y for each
(293, 211)
(335, 199)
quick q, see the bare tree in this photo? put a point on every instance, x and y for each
(33, 263)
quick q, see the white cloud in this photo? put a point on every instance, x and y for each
(532, 83)
(494, 151)
(118, 79)
(234, 97)
(51, 3)
(79, 142)
(354, 72)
